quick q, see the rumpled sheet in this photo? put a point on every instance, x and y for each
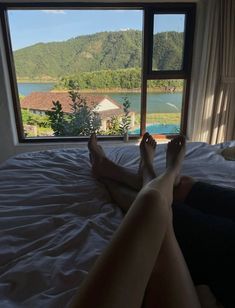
(56, 218)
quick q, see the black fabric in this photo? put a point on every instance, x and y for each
(212, 199)
(205, 229)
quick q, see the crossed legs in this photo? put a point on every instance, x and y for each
(122, 183)
(143, 264)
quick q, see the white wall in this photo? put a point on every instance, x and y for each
(9, 144)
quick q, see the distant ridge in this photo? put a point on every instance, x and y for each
(99, 51)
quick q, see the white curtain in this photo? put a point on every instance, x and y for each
(212, 116)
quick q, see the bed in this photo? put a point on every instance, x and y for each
(56, 218)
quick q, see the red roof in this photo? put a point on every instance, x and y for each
(43, 101)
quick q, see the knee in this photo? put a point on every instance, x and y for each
(153, 205)
(152, 197)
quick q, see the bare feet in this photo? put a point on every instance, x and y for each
(97, 155)
(147, 151)
(147, 148)
(103, 167)
(175, 155)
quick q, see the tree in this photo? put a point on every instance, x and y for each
(30, 118)
(113, 126)
(57, 119)
(126, 119)
(83, 119)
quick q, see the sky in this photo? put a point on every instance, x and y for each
(29, 27)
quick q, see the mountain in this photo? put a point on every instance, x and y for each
(100, 51)
(168, 51)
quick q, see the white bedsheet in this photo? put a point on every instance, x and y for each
(55, 218)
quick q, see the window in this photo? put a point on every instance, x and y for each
(168, 42)
(163, 114)
(83, 68)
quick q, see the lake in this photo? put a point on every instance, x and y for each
(156, 102)
(27, 88)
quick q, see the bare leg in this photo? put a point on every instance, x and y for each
(147, 149)
(105, 168)
(122, 178)
(170, 248)
(123, 195)
(120, 276)
(170, 284)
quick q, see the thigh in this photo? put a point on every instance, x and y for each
(212, 199)
(207, 243)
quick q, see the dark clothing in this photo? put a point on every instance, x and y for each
(205, 229)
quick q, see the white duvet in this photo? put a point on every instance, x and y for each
(55, 218)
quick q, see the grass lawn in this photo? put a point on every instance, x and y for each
(160, 118)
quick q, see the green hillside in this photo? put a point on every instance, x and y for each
(167, 50)
(100, 51)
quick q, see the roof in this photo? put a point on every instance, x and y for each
(43, 101)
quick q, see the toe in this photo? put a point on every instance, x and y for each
(145, 138)
(92, 142)
(152, 142)
(93, 137)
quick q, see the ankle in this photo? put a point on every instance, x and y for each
(172, 170)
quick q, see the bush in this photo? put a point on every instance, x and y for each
(82, 121)
(34, 119)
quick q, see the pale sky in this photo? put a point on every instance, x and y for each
(29, 27)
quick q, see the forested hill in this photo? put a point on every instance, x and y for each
(100, 51)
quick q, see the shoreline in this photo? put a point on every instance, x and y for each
(104, 90)
(36, 81)
(118, 90)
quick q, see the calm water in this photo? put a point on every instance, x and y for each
(27, 88)
(156, 102)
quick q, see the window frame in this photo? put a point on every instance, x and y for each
(149, 9)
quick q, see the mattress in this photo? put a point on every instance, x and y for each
(56, 218)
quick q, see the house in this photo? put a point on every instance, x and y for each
(40, 102)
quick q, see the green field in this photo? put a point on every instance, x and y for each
(160, 118)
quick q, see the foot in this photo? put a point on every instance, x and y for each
(97, 155)
(147, 151)
(175, 155)
(103, 167)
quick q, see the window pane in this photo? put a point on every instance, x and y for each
(87, 60)
(164, 104)
(168, 42)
